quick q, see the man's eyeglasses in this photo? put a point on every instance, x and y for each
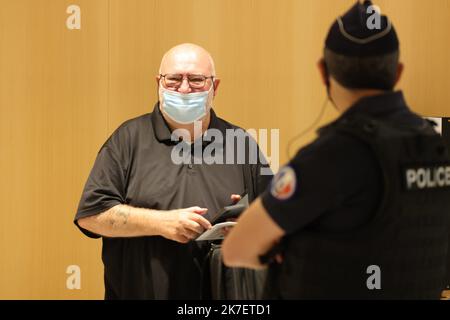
(174, 81)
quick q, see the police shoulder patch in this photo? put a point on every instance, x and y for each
(284, 183)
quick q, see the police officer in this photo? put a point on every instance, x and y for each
(362, 212)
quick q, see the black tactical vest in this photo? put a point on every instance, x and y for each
(402, 252)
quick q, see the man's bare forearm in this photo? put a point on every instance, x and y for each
(123, 221)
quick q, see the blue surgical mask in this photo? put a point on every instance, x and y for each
(185, 108)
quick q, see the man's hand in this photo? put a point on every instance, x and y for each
(184, 225)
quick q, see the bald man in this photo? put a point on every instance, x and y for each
(146, 206)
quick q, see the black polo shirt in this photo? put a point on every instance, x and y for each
(335, 183)
(134, 167)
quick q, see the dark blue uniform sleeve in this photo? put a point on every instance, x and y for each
(336, 174)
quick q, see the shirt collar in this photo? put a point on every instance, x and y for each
(162, 129)
(379, 105)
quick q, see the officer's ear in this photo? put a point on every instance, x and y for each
(157, 78)
(324, 72)
(400, 69)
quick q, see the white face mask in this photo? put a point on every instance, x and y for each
(185, 108)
